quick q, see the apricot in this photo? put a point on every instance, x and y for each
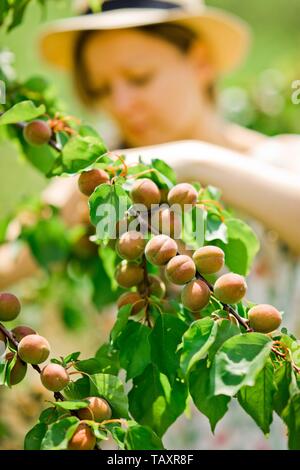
(18, 371)
(180, 269)
(230, 288)
(160, 249)
(10, 306)
(195, 295)
(37, 132)
(209, 259)
(98, 410)
(264, 318)
(145, 191)
(82, 439)
(183, 194)
(34, 349)
(134, 299)
(20, 331)
(131, 245)
(129, 274)
(54, 377)
(166, 222)
(89, 180)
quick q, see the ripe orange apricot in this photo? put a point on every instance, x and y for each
(34, 349)
(264, 318)
(160, 249)
(146, 192)
(98, 410)
(89, 180)
(37, 132)
(129, 274)
(134, 299)
(82, 439)
(195, 295)
(10, 306)
(180, 269)
(131, 245)
(230, 288)
(54, 377)
(209, 259)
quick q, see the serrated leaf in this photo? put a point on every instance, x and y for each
(238, 362)
(80, 152)
(283, 378)
(164, 340)
(109, 359)
(134, 348)
(154, 402)
(291, 416)
(142, 438)
(111, 388)
(23, 111)
(257, 400)
(59, 433)
(196, 342)
(213, 407)
(35, 436)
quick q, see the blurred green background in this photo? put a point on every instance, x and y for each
(257, 95)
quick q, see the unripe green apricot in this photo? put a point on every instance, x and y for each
(160, 249)
(20, 331)
(37, 132)
(195, 295)
(10, 306)
(54, 377)
(144, 191)
(264, 318)
(183, 194)
(166, 222)
(89, 180)
(18, 371)
(129, 274)
(180, 269)
(134, 299)
(98, 410)
(131, 245)
(230, 288)
(34, 349)
(82, 439)
(209, 259)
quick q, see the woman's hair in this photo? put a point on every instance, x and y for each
(178, 35)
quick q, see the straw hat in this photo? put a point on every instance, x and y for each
(226, 35)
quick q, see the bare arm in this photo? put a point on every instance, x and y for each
(269, 194)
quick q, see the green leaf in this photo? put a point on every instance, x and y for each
(283, 379)
(72, 357)
(257, 400)
(134, 347)
(78, 390)
(167, 174)
(43, 157)
(109, 359)
(89, 366)
(225, 330)
(238, 362)
(154, 402)
(34, 437)
(142, 438)
(164, 340)
(241, 248)
(111, 388)
(108, 204)
(59, 433)
(71, 405)
(214, 408)
(122, 319)
(196, 342)
(215, 229)
(23, 111)
(291, 416)
(49, 416)
(80, 152)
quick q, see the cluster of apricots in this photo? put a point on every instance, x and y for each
(28, 347)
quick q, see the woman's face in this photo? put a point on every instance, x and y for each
(147, 85)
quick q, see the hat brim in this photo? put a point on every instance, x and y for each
(227, 36)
